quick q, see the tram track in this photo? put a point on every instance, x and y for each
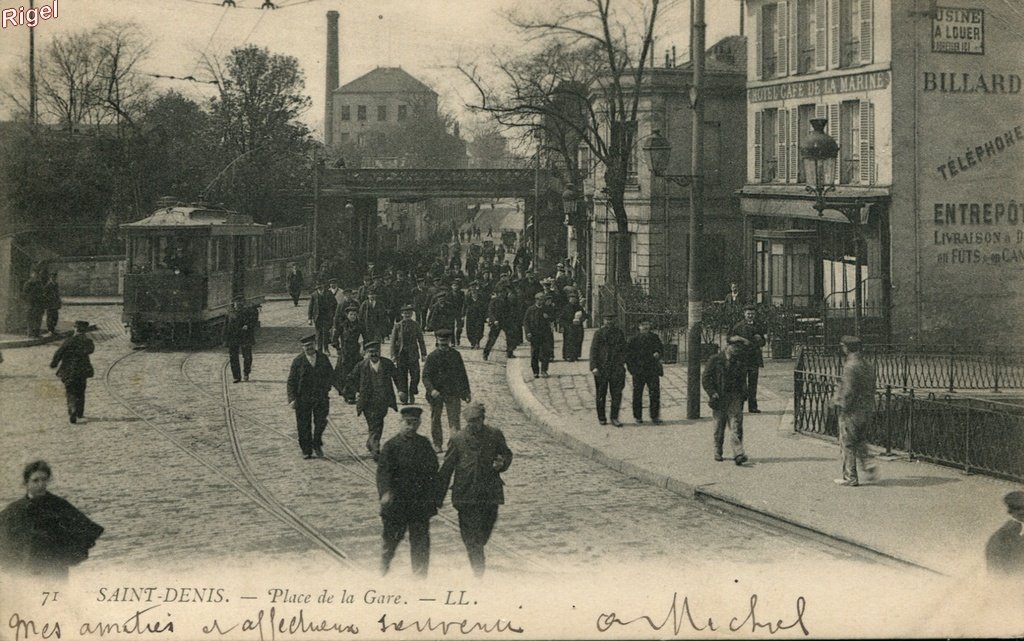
(252, 488)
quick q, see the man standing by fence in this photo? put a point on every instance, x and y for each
(855, 400)
(754, 332)
(725, 381)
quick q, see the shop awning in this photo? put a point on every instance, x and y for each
(795, 202)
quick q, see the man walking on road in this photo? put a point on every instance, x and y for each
(347, 333)
(537, 327)
(309, 382)
(608, 365)
(74, 368)
(447, 385)
(643, 359)
(322, 306)
(407, 485)
(725, 381)
(240, 336)
(498, 320)
(407, 349)
(295, 284)
(855, 399)
(477, 457)
(754, 332)
(51, 302)
(376, 378)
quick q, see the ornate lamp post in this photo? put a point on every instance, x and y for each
(820, 151)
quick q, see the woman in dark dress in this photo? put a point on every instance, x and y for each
(41, 533)
(572, 318)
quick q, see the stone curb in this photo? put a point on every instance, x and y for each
(548, 421)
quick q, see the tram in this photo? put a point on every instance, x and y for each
(184, 265)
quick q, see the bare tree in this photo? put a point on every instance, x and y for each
(121, 92)
(582, 87)
(68, 74)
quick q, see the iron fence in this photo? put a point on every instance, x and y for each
(908, 366)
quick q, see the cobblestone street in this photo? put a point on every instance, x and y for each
(157, 469)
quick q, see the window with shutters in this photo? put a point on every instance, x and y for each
(806, 36)
(854, 24)
(803, 127)
(769, 41)
(346, 112)
(769, 145)
(849, 142)
(623, 139)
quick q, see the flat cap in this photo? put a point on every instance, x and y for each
(408, 308)
(850, 340)
(308, 340)
(443, 333)
(350, 308)
(371, 345)
(750, 307)
(81, 324)
(410, 410)
(472, 410)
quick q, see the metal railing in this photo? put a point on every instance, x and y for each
(935, 367)
(975, 435)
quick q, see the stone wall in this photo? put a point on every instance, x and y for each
(89, 275)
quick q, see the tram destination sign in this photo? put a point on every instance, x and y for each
(958, 31)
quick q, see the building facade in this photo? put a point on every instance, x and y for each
(916, 95)
(658, 209)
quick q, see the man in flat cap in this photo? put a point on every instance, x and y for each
(373, 315)
(643, 359)
(407, 484)
(608, 365)
(447, 385)
(537, 327)
(754, 332)
(240, 336)
(725, 381)
(476, 457)
(407, 350)
(322, 307)
(348, 336)
(1004, 553)
(855, 400)
(376, 379)
(295, 283)
(309, 382)
(476, 315)
(74, 368)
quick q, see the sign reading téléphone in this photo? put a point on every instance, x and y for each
(958, 31)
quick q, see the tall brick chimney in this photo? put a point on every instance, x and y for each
(332, 77)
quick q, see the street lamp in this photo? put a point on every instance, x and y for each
(569, 204)
(820, 151)
(659, 152)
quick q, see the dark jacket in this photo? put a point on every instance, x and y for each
(755, 333)
(240, 327)
(442, 314)
(72, 357)
(608, 351)
(322, 305)
(498, 311)
(308, 383)
(32, 292)
(1004, 552)
(568, 312)
(408, 470)
(640, 358)
(407, 337)
(375, 319)
(537, 325)
(45, 535)
(724, 380)
(51, 295)
(445, 372)
(371, 396)
(347, 333)
(295, 281)
(470, 457)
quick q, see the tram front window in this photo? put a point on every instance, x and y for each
(180, 256)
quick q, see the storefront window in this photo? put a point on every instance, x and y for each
(784, 272)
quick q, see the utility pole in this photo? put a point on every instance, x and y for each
(693, 293)
(31, 70)
(536, 206)
(316, 208)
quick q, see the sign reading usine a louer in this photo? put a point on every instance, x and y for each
(958, 30)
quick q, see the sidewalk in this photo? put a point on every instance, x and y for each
(919, 514)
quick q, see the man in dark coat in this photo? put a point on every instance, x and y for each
(643, 359)
(347, 334)
(295, 284)
(499, 319)
(751, 329)
(32, 294)
(1004, 553)
(42, 534)
(377, 378)
(457, 301)
(571, 318)
(51, 303)
(421, 300)
(239, 337)
(74, 368)
(537, 327)
(477, 457)
(447, 385)
(608, 365)
(514, 322)
(476, 316)
(309, 382)
(322, 306)
(725, 381)
(407, 350)
(442, 314)
(374, 317)
(407, 485)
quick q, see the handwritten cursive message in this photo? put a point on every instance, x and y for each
(680, 615)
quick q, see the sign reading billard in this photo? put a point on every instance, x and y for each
(958, 31)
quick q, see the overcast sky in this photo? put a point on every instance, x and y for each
(425, 37)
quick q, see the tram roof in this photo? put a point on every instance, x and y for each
(177, 217)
